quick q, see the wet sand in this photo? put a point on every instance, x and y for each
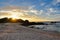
(14, 31)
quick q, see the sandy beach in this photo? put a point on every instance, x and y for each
(14, 31)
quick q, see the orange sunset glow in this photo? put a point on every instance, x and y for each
(20, 14)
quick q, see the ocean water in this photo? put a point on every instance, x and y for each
(50, 27)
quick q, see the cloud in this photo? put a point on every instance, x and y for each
(29, 14)
(58, 0)
(46, 11)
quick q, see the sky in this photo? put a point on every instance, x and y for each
(33, 10)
